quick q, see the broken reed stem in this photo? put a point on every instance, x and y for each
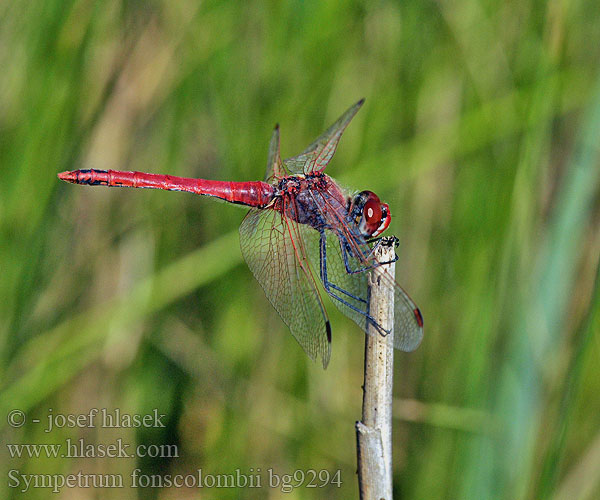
(374, 432)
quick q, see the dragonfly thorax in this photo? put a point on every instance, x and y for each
(309, 199)
(293, 184)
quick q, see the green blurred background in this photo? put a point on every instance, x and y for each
(481, 129)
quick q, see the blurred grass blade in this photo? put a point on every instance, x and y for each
(583, 481)
(574, 380)
(540, 328)
(78, 340)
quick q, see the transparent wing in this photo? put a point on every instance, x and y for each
(408, 330)
(275, 253)
(344, 266)
(275, 167)
(316, 156)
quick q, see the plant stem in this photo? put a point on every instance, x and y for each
(374, 432)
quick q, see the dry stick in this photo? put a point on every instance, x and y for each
(374, 433)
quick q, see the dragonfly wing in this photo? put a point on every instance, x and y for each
(346, 250)
(275, 167)
(349, 292)
(275, 253)
(316, 156)
(408, 321)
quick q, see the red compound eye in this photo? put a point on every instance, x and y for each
(385, 219)
(372, 213)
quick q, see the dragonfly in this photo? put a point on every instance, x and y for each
(301, 224)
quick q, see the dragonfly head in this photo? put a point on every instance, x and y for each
(371, 216)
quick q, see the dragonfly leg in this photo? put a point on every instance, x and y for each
(378, 240)
(333, 290)
(373, 264)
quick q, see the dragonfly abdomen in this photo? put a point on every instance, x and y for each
(253, 193)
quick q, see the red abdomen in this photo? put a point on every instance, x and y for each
(254, 193)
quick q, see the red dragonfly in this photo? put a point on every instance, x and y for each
(300, 221)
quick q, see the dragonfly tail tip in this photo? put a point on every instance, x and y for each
(67, 176)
